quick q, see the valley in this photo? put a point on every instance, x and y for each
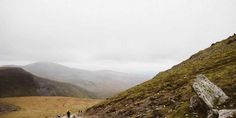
(45, 107)
(168, 94)
(103, 83)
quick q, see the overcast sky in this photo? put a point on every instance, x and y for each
(141, 36)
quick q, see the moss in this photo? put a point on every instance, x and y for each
(182, 110)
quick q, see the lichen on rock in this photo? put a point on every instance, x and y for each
(211, 94)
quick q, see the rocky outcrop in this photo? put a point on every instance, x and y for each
(209, 92)
(227, 113)
(211, 96)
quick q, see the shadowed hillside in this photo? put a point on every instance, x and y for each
(17, 82)
(169, 92)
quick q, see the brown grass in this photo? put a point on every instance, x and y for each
(43, 107)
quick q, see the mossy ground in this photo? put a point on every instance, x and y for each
(168, 93)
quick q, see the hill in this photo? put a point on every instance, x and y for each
(104, 83)
(15, 81)
(169, 92)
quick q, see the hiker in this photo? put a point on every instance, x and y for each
(68, 114)
(80, 112)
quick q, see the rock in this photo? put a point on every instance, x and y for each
(197, 105)
(4, 108)
(227, 113)
(209, 92)
(212, 113)
(210, 96)
(194, 101)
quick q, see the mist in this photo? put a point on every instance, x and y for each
(135, 36)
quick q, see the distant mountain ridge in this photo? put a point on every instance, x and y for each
(15, 81)
(104, 83)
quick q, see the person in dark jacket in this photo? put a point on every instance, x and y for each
(68, 114)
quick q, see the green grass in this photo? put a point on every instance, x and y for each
(172, 88)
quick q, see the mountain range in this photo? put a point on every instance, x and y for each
(103, 83)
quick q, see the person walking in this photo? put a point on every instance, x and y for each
(68, 114)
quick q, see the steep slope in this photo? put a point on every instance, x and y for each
(104, 83)
(169, 92)
(17, 82)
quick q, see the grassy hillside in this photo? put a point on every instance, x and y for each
(168, 93)
(17, 82)
(44, 107)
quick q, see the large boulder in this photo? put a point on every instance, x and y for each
(209, 97)
(208, 92)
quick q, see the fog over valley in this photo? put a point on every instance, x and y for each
(132, 36)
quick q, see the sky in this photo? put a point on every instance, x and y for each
(135, 36)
